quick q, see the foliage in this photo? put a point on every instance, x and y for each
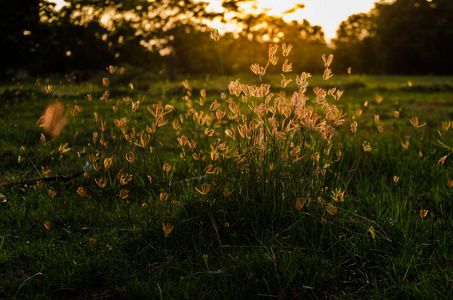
(400, 37)
(151, 35)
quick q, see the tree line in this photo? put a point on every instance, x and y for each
(171, 37)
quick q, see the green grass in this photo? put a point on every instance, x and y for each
(245, 237)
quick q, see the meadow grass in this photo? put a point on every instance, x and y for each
(203, 190)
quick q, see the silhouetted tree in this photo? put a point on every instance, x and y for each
(19, 22)
(401, 37)
(414, 36)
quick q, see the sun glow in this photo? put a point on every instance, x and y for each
(326, 13)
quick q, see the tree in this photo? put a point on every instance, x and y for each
(355, 44)
(417, 40)
(20, 19)
(401, 37)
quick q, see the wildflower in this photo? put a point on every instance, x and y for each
(120, 123)
(366, 146)
(43, 138)
(381, 129)
(205, 259)
(123, 194)
(338, 94)
(192, 144)
(45, 171)
(111, 69)
(260, 71)
(130, 156)
(185, 83)
(103, 126)
(414, 122)
(286, 49)
(358, 112)
(376, 118)
(354, 127)
(75, 110)
(52, 193)
(447, 125)
(215, 35)
(82, 192)
(327, 74)
(287, 67)
(327, 61)
(273, 49)
(47, 224)
(285, 81)
(48, 89)
(135, 106)
(423, 213)
(378, 99)
(167, 227)
(175, 124)
(161, 122)
(209, 131)
(53, 119)
(450, 182)
(372, 231)
(338, 195)
(105, 97)
(273, 59)
(166, 167)
(396, 114)
(168, 108)
(144, 140)
(226, 192)
(299, 204)
(205, 188)
(395, 179)
(405, 144)
(102, 182)
(163, 196)
(331, 209)
(123, 177)
(105, 81)
(442, 160)
(183, 140)
(214, 105)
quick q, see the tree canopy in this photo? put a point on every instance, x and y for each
(165, 35)
(402, 37)
(173, 37)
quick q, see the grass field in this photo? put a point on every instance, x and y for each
(211, 190)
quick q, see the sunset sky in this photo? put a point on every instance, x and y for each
(326, 13)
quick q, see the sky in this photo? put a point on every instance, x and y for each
(326, 13)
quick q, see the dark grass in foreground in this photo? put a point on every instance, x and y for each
(253, 240)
